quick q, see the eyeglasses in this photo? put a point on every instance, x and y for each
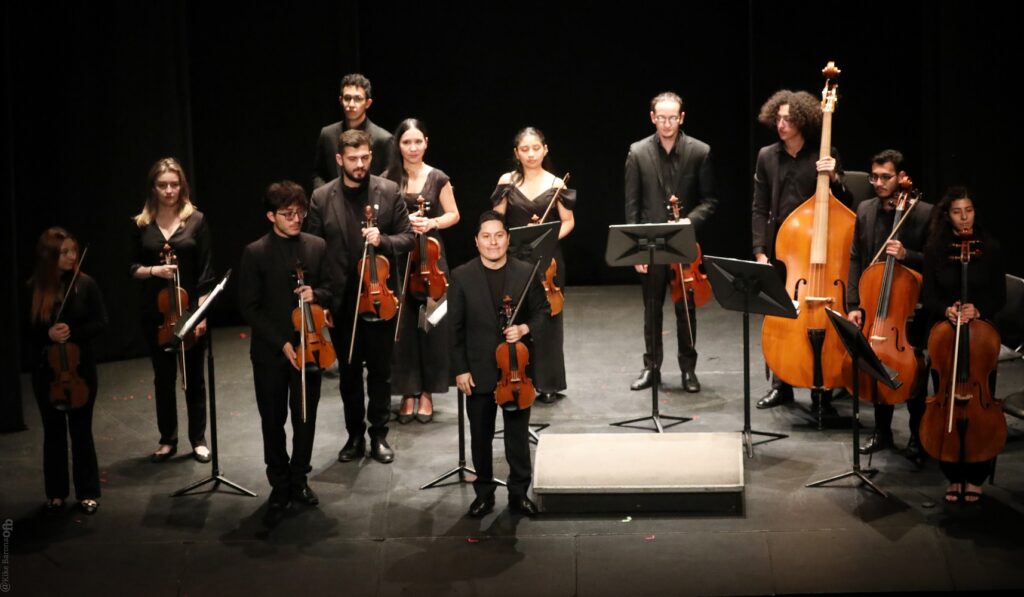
(883, 178)
(668, 119)
(295, 214)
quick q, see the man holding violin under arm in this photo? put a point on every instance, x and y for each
(268, 293)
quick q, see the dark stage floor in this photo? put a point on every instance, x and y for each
(376, 533)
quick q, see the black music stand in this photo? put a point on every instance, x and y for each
(461, 469)
(183, 327)
(534, 244)
(651, 244)
(863, 355)
(749, 287)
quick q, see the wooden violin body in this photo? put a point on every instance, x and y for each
(172, 302)
(68, 390)
(312, 322)
(514, 390)
(814, 243)
(693, 278)
(556, 300)
(376, 300)
(427, 279)
(975, 430)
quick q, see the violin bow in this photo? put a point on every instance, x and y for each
(67, 292)
(554, 199)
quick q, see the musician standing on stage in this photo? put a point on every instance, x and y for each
(355, 98)
(268, 294)
(668, 164)
(874, 224)
(336, 215)
(169, 218)
(474, 306)
(786, 176)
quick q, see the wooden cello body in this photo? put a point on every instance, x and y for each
(814, 242)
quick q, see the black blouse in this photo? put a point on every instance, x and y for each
(85, 315)
(191, 244)
(986, 279)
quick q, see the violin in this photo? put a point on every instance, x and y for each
(315, 349)
(374, 299)
(691, 277)
(962, 422)
(556, 299)
(889, 294)
(427, 280)
(68, 390)
(514, 390)
(172, 303)
(814, 242)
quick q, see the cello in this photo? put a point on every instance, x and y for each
(556, 299)
(890, 292)
(962, 421)
(315, 349)
(814, 242)
(68, 390)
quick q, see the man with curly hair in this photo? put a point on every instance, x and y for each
(786, 176)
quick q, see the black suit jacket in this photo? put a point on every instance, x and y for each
(475, 326)
(647, 195)
(325, 166)
(913, 234)
(329, 219)
(266, 291)
(766, 213)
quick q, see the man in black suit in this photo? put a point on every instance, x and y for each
(668, 164)
(786, 175)
(874, 223)
(474, 303)
(336, 215)
(268, 293)
(355, 98)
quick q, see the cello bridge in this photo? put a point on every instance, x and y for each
(879, 338)
(819, 299)
(963, 397)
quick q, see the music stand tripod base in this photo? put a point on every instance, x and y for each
(460, 469)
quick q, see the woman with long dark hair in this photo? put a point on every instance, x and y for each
(56, 291)
(954, 220)
(169, 219)
(525, 192)
(419, 364)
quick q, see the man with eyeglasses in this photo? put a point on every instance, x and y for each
(268, 293)
(665, 165)
(785, 176)
(356, 98)
(874, 224)
(337, 215)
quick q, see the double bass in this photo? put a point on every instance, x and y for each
(814, 242)
(889, 292)
(962, 422)
(315, 349)
(68, 390)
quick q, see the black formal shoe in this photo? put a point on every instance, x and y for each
(523, 505)
(161, 455)
(547, 397)
(424, 417)
(879, 440)
(481, 506)
(690, 382)
(776, 397)
(304, 494)
(381, 451)
(405, 419)
(914, 452)
(201, 454)
(278, 503)
(644, 381)
(89, 506)
(354, 448)
(53, 507)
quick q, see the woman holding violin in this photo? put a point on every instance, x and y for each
(67, 313)
(964, 286)
(523, 196)
(419, 363)
(279, 271)
(172, 258)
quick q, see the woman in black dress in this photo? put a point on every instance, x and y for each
(419, 364)
(953, 220)
(521, 194)
(81, 318)
(169, 218)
